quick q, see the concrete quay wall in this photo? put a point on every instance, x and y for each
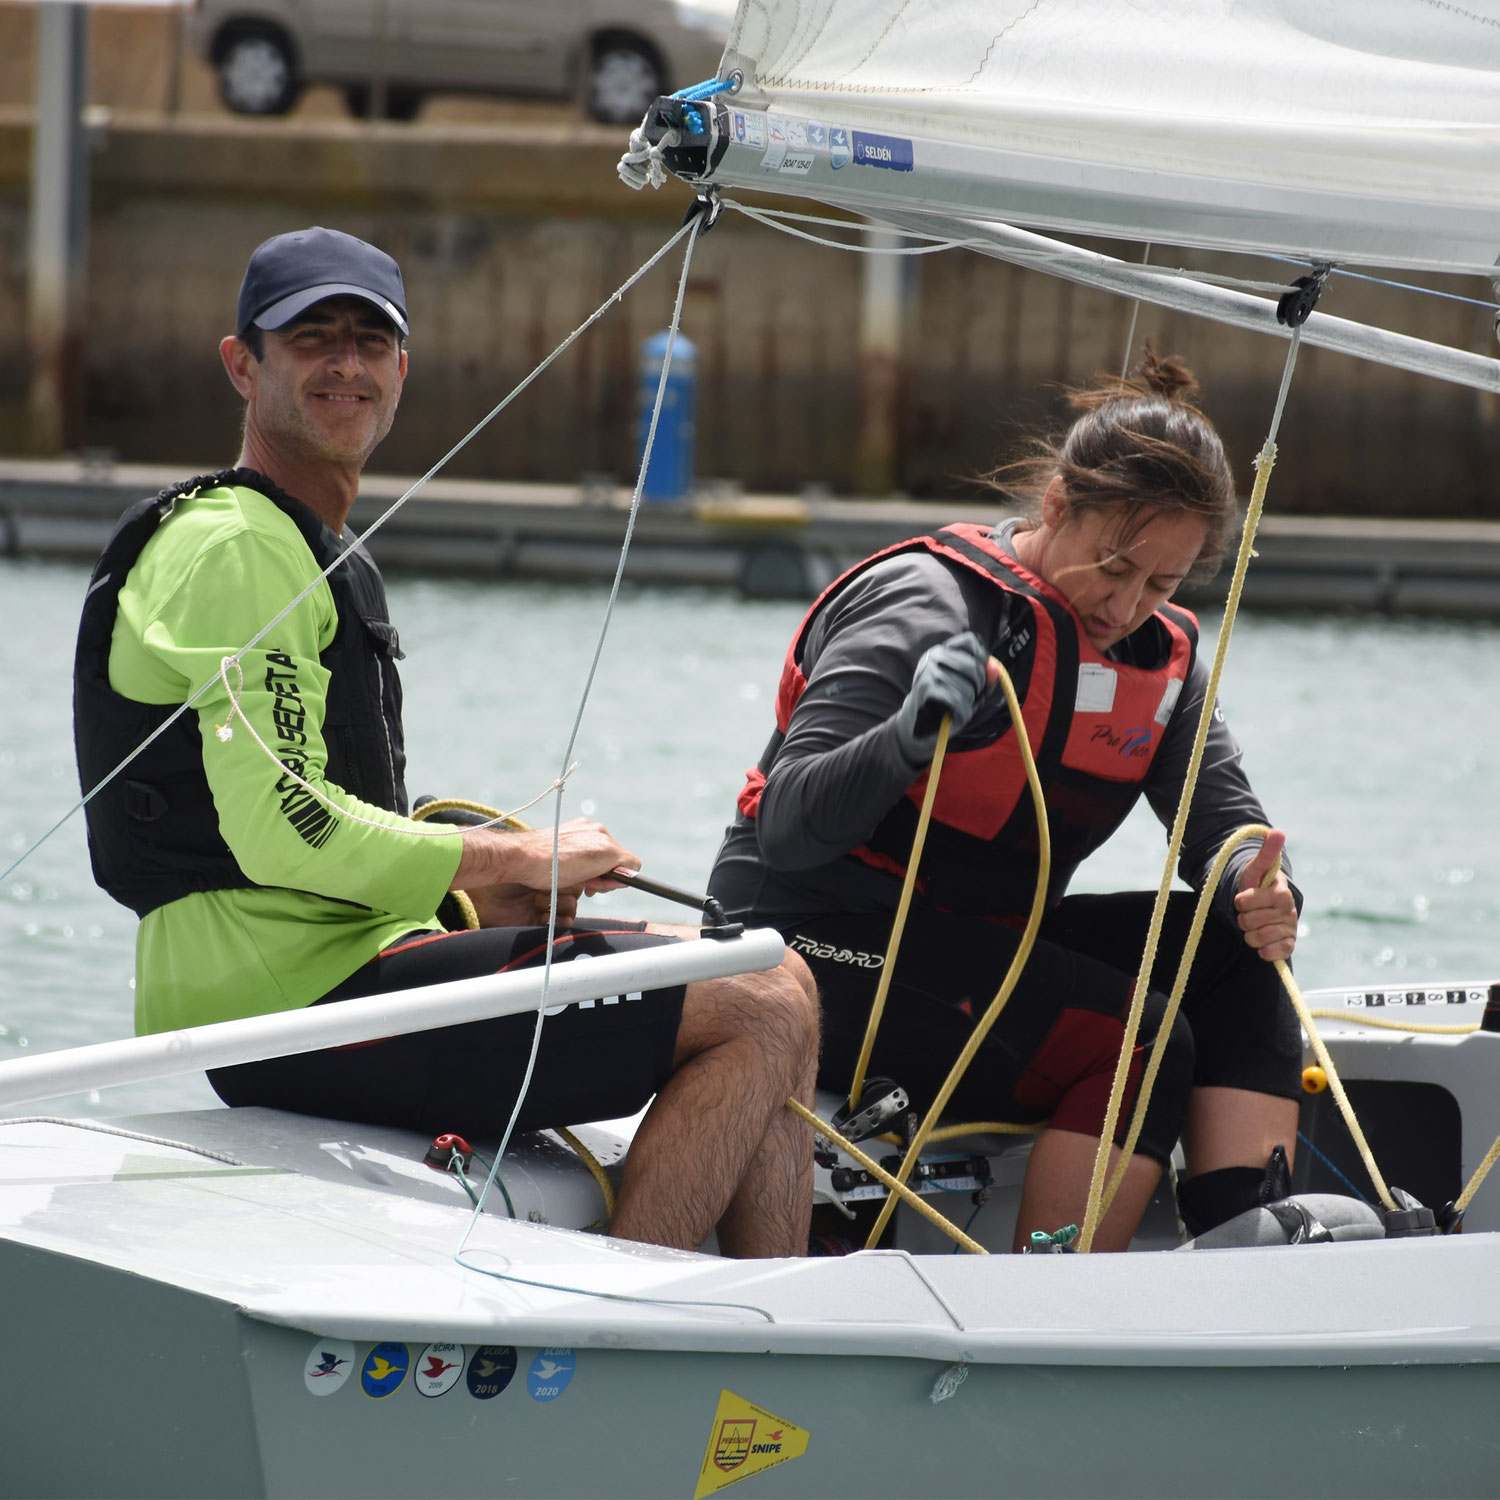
(761, 545)
(510, 234)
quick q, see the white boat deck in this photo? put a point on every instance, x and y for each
(345, 1260)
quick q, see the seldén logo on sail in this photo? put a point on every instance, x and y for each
(888, 151)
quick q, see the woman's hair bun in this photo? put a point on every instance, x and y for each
(1166, 376)
(1169, 376)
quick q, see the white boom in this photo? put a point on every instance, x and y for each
(225, 1043)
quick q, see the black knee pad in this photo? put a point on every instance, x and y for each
(1213, 1198)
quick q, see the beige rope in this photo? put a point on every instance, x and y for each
(908, 885)
(597, 1172)
(1265, 462)
(1012, 974)
(1428, 1028)
(897, 1187)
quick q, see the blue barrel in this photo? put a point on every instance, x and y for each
(670, 476)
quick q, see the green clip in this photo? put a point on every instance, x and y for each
(1060, 1243)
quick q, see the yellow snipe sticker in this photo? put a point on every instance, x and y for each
(746, 1439)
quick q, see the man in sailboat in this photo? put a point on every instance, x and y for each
(1074, 601)
(263, 836)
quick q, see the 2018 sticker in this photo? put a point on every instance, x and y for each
(491, 1369)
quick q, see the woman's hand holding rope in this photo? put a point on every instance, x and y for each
(1264, 904)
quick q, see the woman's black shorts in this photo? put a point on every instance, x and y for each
(598, 1061)
(1083, 965)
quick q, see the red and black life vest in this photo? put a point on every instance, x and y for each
(153, 830)
(1094, 725)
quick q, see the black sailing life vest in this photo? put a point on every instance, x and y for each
(153, 830)
(1095, 725)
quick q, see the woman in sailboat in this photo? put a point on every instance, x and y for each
(1074, 599)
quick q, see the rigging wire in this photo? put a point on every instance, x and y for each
(1135, 313)
(1401, 286)
(357, 541)
(462, 1255)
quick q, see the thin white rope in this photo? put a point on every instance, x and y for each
(766, 218)
(1031, 256)
(536, 1035)
(1135, 313)
(375, 526)
(130, 1135)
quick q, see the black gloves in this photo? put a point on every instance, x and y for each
(950, 678)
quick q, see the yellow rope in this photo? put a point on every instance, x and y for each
(908, 885)
(1012, 974)
(1335, 1084)
(597, 1172)
(1482, 1171)
(897, 1188)
(459, 804)
(980, 1127)
(1429, 1028)
(1174, 1002)
(431, 809)
(1265, 462)
(1304, 1015)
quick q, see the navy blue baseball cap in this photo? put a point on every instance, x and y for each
(290, 272)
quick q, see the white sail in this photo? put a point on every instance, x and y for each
(1362, 132)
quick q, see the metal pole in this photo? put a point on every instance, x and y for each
(380, 70)
(59, 227)
(1222, 304)
(882, 313)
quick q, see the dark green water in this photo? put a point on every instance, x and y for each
(1372, 741)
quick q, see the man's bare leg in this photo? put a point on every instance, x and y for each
(772, 1208)
(718, 1145)
(1056, 1191)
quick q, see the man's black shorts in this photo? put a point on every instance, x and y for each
(1084, 961)
(598, 1061)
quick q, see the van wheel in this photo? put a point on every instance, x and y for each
(400, 104)
(257, 72)
(623, 80)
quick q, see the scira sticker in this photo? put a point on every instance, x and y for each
(551, 1373)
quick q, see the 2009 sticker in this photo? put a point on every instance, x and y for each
(551, 1373)
(491, 1368)
(330, 1362)
(439, 1368)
